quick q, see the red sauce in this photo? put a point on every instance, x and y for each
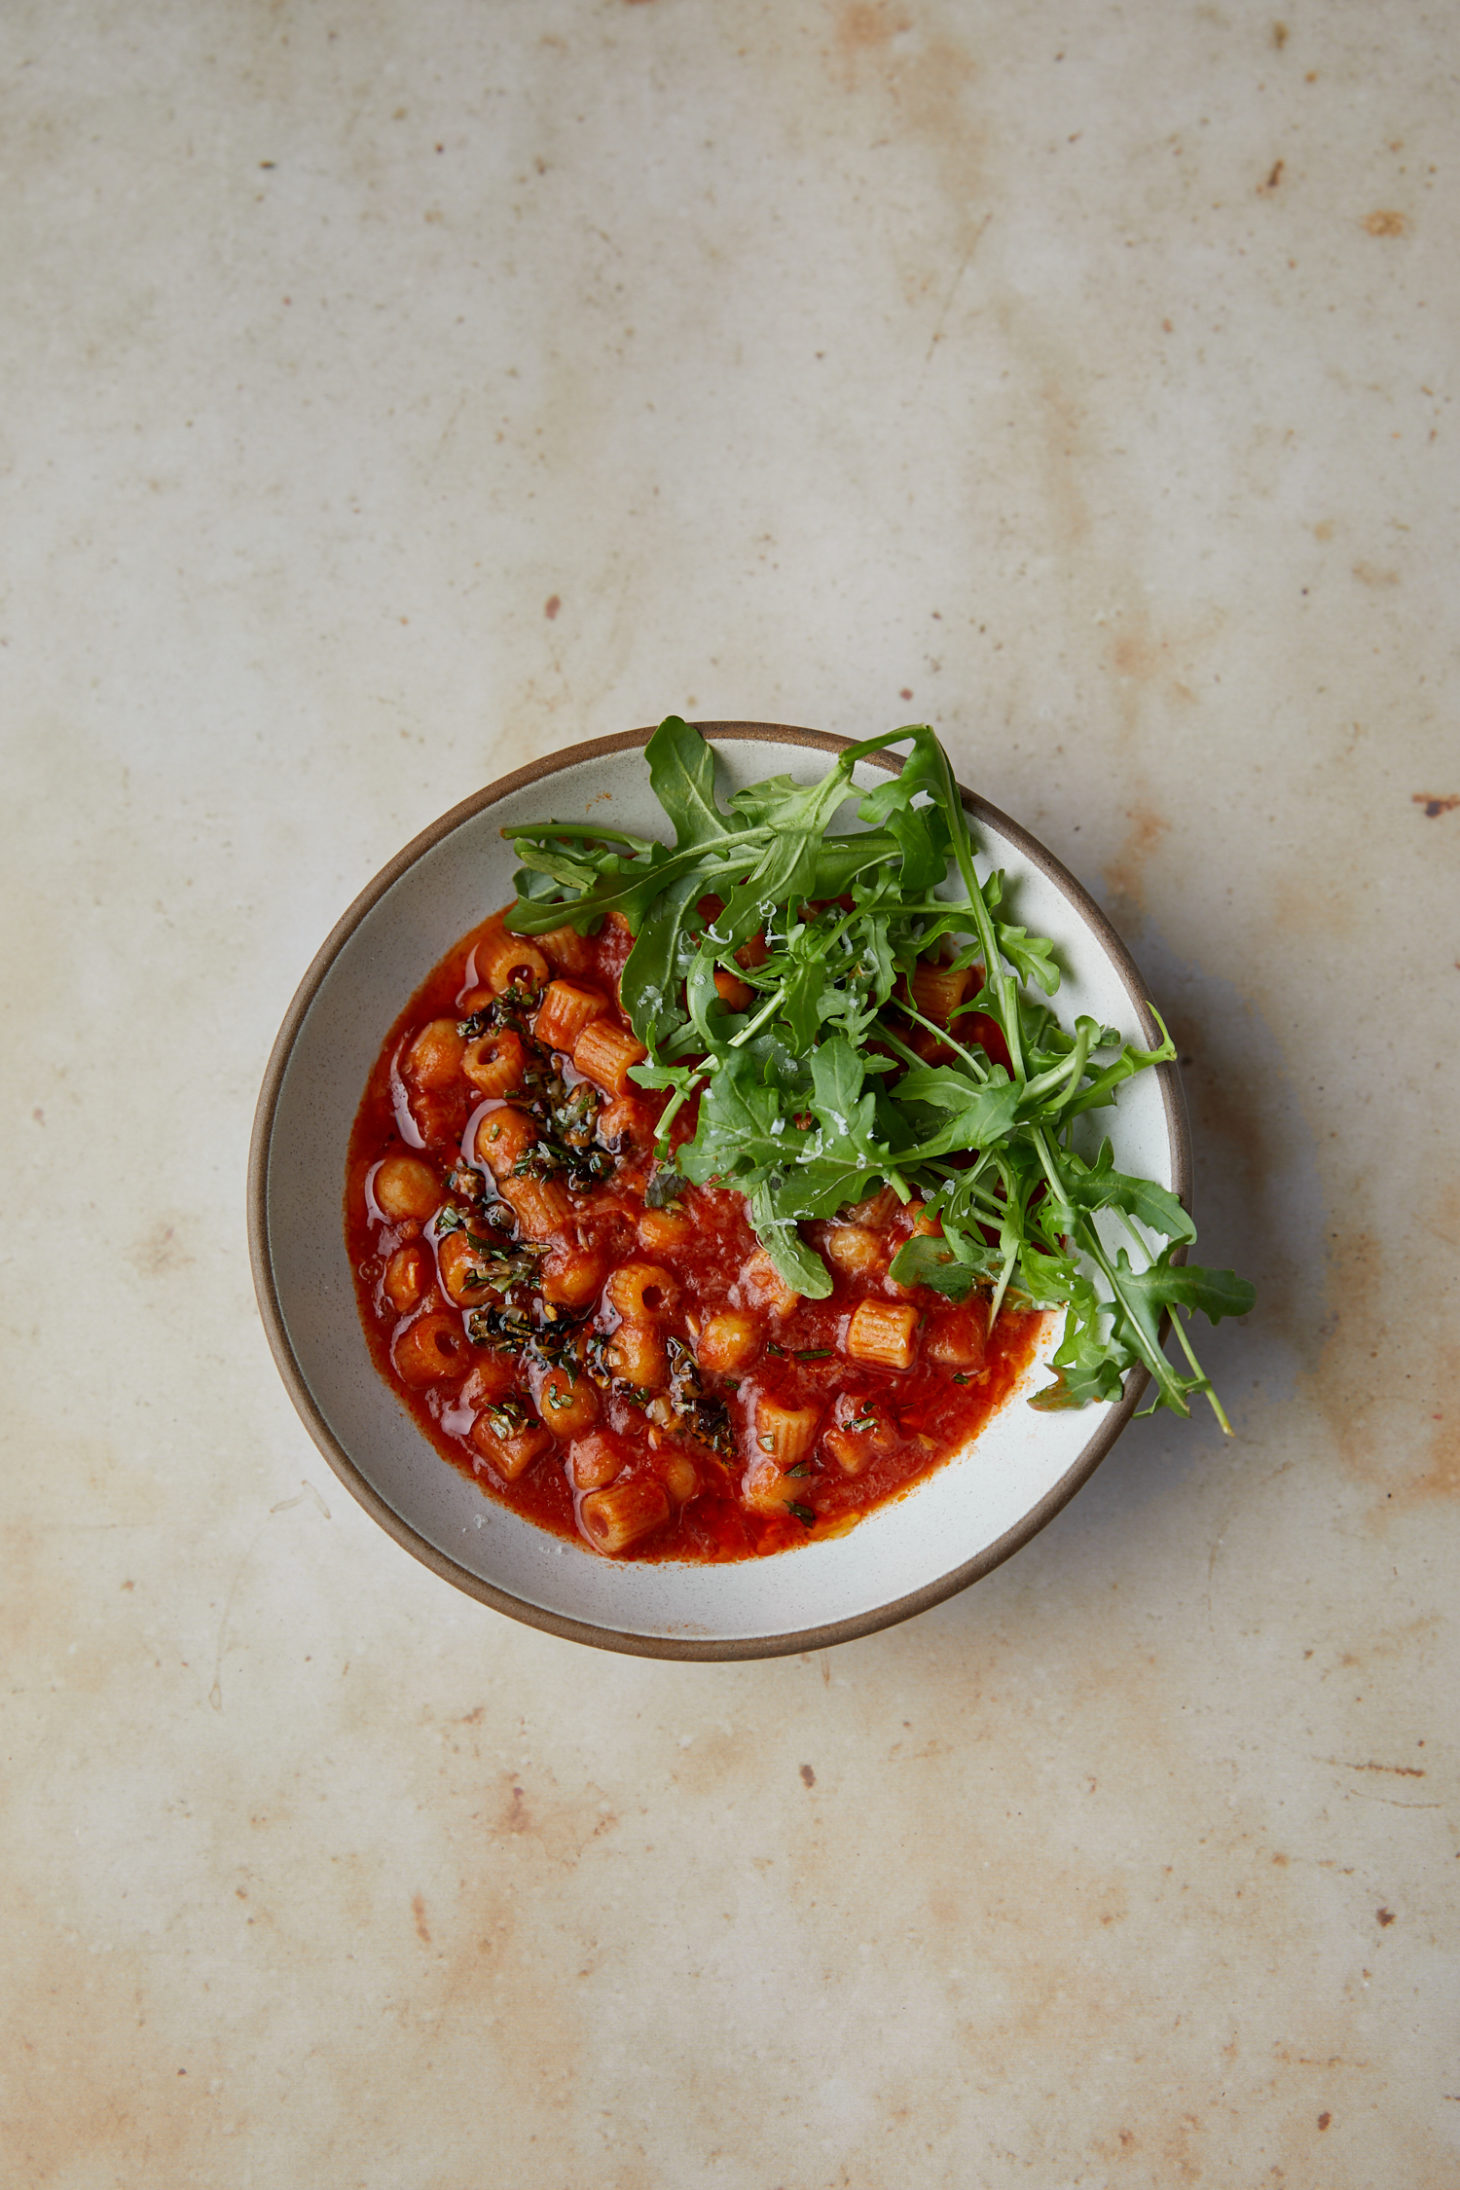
(693, 1414)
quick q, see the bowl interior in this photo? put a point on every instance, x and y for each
(945, 1532)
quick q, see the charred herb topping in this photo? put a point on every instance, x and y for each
(814, 1097)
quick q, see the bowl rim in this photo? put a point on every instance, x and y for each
(395, 1524)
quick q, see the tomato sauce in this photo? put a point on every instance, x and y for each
(599, 1345)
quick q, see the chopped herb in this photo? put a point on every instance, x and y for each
(803, 1514)
(505, 1417)
(504, 1330)
(799, 1469)
(665, 1186)
(581, 1165)
(813, 1353)
(709, 1421)
(778, 1351)
(462, 1179)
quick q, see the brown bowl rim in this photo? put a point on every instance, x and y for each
(395, 1525)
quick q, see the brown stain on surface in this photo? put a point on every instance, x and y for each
(1369, 574)
(418, 1911)
(1433, 804)
(1275, 176)
(159, 1251)
(1149, 664)
(1125, 875)
(1386, 222)
(1411, 1452)
(922, 78)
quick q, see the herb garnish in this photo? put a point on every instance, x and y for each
(815, 1095)
(665, 1186)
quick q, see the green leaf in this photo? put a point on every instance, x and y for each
(665, 1186)
(799, 1265)
(1216, 1293)
(1101, 1186)
(924, 1260)
(682, 776)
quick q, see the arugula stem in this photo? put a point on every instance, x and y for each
(1206, 1383)
(753, 1026)
(1071, 1068)
(910, 1011)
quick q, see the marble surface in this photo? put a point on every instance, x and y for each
(393, 394)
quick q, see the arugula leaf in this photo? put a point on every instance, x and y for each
(682, 776)
(923, 1260)
(1101, 1186)
(821, 1090)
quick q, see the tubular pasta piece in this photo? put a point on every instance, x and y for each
(874, 1212)
(571, 1276)
(956, 1338)
(937, 990)
(642, 1291)
(679, 1475)
(567, 948)
(594, 1461)
(492, 1377)
(407, 1275)
(502, 1136)
(766, 1489)
(613, 1519)
(729, 1340)
(766, 1287)
(852, 1454)
(510, 1456)
(853, 1249)
(567, 1407)
(404, 1186)
(564, 1012)
(495, 1062)
(785, 1434)
(434, 1057)
(636, 1352)
(604, 1053)
(661, 1228)
(511, 961)
(882, 1333)
(542, 1205)
(457, 1259)
(622, 1122)
(430, 1350)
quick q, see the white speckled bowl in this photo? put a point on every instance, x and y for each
(933, 1540)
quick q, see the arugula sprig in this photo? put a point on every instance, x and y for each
(816, 1095)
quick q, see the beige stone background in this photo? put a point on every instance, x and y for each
(393, 393)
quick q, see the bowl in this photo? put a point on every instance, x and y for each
(935, 1539)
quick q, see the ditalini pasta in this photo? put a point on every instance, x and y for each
(602, 1346)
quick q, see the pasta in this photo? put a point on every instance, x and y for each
(610, 1350)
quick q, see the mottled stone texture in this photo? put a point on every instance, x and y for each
(397, 392)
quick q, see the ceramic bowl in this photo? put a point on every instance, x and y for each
(934, 1539)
